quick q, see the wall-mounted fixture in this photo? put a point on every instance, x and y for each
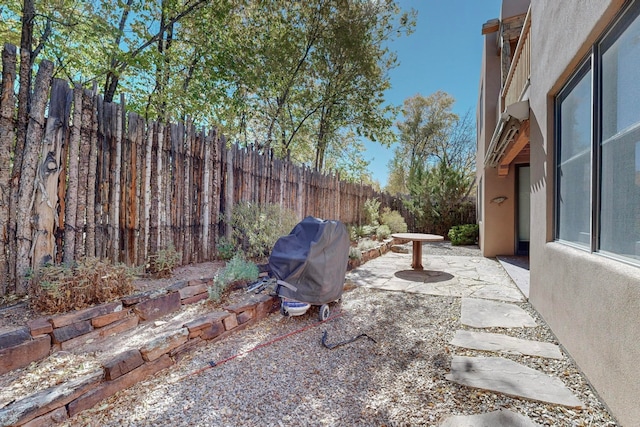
(499, 199)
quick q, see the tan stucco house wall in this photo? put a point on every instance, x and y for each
(591, 301)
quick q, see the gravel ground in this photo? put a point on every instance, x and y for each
(398, 380)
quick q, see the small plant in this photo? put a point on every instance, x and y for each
(372, 211)
(355, 253)
(353, 233)
(237, 270)
(393, 220)
(369, 230)
(164, 261)
(383, 232)
(60, 288)
(466, 234)
(226, 249)
(366, 244)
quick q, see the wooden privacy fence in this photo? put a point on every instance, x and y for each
(94, 180)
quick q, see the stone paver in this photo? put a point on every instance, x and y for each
(508, 377)
(455, 276)
(481, 313)
(502, 343)
(488, 294)
(501, 418)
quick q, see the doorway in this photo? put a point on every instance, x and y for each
(523, 209)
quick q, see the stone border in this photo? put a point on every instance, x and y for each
(58, 403)
(23, 345)
(370, 254)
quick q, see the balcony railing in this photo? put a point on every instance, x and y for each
(517, 80)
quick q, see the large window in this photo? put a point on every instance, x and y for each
(573, 170)
(598, 151)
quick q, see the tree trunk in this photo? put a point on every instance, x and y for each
(32, 146)
(323, 133)
(112, 79)
(24, 91)
(7, 137)
(46, 200)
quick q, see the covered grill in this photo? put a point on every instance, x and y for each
(310, 264)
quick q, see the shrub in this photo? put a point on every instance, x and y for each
(59, 288)
(466, 234)
(353, 232)
(226, 249)
(393, 220)
(257, 227)
(366, 244)
(383, 232)
(369, 230)
(238, 270)
(355, 253)
(162, 263)
(372, 211)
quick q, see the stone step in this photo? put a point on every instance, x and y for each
(513, 379)
(502, 343)
(481, 313)
(501, 418)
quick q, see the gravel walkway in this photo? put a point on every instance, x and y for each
(396, 381)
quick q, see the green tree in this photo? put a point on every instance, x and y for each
(321, 70)
(434, 161)
(288, 76)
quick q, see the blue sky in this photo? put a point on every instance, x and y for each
(443, 53)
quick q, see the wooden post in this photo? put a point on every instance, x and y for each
(159, 187)
(71, 203)
(301, 186)
(7, 136)
(102, 172)
(187, 183)
(228, 191)
(216, 183)
(116, 162)
(33, 142)
(92, 176)
(46, 196)
(206, 202)
(146, 190)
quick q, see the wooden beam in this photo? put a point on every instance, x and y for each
(503, 170)
(516, 146)
(491, 26)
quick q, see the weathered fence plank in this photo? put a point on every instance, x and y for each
(7, 136)
(92, 208)
(49, 167)
(33, 142)
(71, 202)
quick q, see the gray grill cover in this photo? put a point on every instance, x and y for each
(313, 258)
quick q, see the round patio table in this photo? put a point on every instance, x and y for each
(417, 239)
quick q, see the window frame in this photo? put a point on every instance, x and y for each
(586, 66)
(592, 62)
